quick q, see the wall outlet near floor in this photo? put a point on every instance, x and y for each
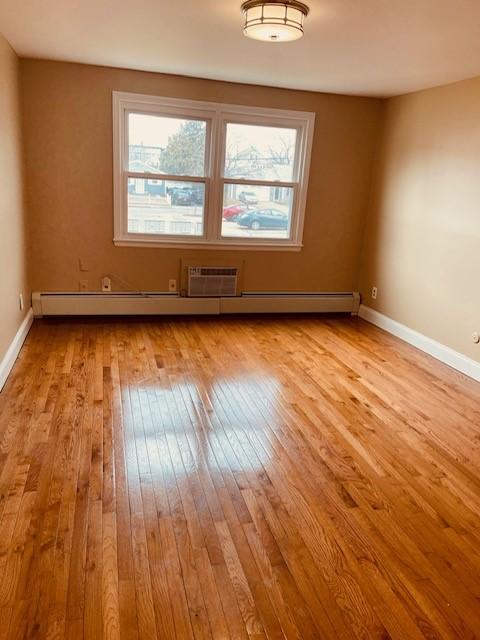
(83, 285)
(374, 293)
(20, 301)
(476, 337)
(106, 284)
(172, 285)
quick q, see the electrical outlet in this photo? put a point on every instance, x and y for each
(106, 284)
(476, 337)
(172, 285)
(20, 301)
(83, 285)
(374, 293)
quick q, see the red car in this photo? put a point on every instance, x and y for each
(231, 212)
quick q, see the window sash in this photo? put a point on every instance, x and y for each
(169, 113)
(216, 116)
(293, 220)
(169, 236)
(261, 122)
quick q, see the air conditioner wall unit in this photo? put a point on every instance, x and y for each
(207, 282)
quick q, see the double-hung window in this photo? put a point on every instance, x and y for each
(190, 173)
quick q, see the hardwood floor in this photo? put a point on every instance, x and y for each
(253, 478)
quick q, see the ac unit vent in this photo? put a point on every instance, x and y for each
(212, 281)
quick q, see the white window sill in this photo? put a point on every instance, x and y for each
(202, 244)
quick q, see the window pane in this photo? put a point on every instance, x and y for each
(165, 207)
(166, 145)
(259, 153)
(256, 212)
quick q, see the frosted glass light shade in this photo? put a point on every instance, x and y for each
(274, 21)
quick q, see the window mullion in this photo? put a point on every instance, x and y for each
(213, 212)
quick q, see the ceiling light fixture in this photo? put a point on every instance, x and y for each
(274, 21)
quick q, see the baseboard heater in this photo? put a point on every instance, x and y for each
(278, 302)
(159, 303)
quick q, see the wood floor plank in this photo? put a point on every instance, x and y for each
(307, 478)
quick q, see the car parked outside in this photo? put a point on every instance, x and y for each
(184, 196)
(248, 197)
(263, 219)
(234, 210)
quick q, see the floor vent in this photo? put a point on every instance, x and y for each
(207, 282)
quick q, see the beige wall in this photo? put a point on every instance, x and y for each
(422, 238)
(13, 245)
(68, 131)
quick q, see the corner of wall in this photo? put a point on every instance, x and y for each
(14, 278)
(373, 181)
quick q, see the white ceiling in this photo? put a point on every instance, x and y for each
(364, 47)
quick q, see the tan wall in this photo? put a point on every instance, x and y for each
(68, 130)
(422, 238)
(13, 245)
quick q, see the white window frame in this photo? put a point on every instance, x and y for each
(217, 116)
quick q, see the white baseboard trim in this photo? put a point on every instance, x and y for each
(445, 354)
(6, 364)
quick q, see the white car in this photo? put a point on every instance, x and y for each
(248, 197)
